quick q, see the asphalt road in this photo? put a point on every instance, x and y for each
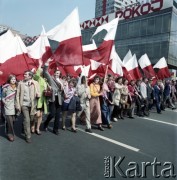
(80, 156)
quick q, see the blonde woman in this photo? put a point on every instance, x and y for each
(42, 101)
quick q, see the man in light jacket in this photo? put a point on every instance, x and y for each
(28, 92)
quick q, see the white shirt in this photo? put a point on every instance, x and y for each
(143, 90)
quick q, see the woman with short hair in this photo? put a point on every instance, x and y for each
(83, 92)
(69, 93)
(42, 100)
(8, 98)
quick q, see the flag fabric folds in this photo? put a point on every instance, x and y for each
(68, 34)
(14, 59)
(40, 49)
(146, 66)
(132, 68)
(103, 52)
(162, 67)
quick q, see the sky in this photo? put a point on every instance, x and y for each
(28, 16)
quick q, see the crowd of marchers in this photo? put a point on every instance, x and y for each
(96, 102)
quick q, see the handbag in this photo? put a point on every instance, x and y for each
(48, 92)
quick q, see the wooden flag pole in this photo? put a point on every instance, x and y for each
(106, 73)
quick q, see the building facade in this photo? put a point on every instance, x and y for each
(104, 7)
(5, 28)
(151, 29)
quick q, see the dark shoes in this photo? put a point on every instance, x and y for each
(131, 117)
(28, 140)
(56, 132)
(73, 130)
(100, 128)
(109, 126)
(45, 128)
(140, 115)
(88, 130)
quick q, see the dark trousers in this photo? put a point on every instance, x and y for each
(105, 113)
(54, 112)
(157, 103)
(117, 111)
(10, 125)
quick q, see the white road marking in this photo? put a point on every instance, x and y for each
(149, 119)
(112, 141)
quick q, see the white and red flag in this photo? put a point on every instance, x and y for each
(132, 68)
(163, 71)
(14, 59)
(103, 52)
(127, 57)
(68, 34)
(116, 63)
(40, 49)
(146, 66)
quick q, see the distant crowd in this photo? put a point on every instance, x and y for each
(99, 101)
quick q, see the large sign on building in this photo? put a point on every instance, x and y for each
(130, 12)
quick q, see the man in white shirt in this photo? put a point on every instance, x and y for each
(143, 90)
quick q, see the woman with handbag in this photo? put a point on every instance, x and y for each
(69, 93)
(42, 101)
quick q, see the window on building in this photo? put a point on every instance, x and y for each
(158, 24)
(166, 19)
(150, 26)
(143, 27)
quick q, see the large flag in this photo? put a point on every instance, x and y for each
(68, 34)
(5, 41)
(133, 69)
(40, 49)
(14, 59)
(163, 71)
(146, 66)
(88, 48)
(103, 52)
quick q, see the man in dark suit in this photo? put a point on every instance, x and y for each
(167, 92)
(55, 100)
(157, 96)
